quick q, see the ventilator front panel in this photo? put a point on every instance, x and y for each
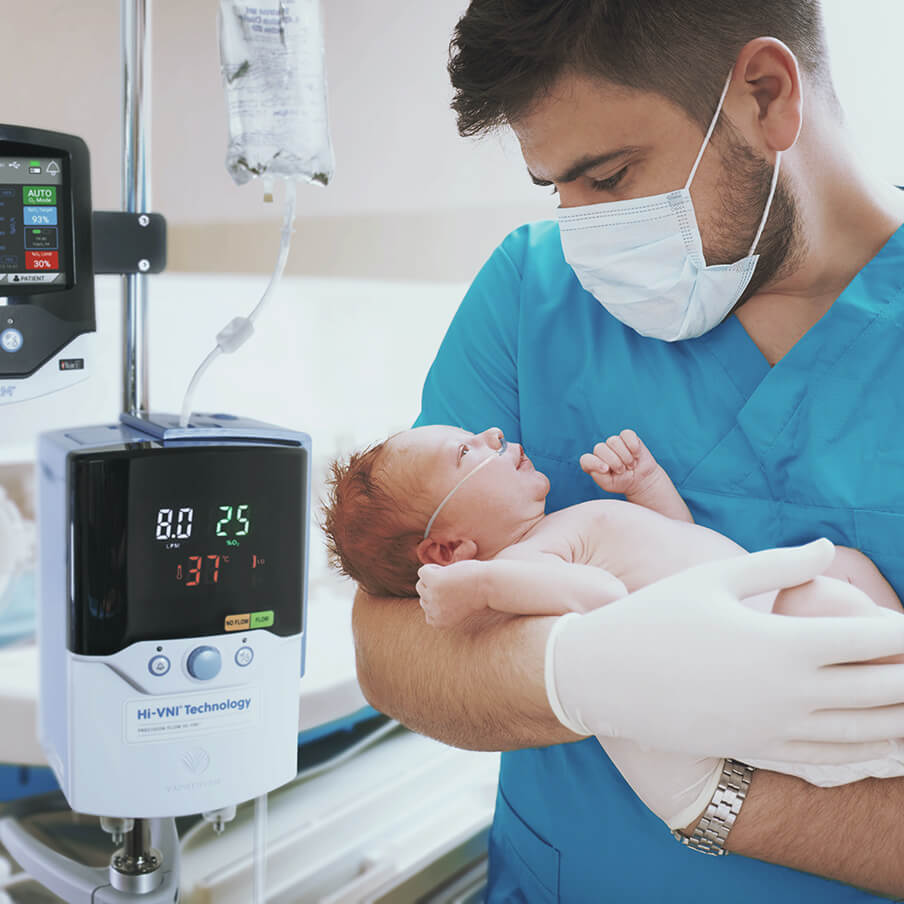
(185, 542)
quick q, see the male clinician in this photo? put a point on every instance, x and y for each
(727, 279)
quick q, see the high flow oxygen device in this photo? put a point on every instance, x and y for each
(171, 633)
(171, 612)
(173, 549)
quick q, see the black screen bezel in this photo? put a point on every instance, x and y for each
(96, 557)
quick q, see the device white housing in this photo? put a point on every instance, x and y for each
(124, 741)
(50, 377)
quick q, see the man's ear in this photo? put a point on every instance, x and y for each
(445, 552)
(768, 73)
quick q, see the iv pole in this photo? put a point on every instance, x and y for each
(136, 193)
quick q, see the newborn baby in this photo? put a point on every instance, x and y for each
(465, 514)
(440, 496)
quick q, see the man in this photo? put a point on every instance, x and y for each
(767, 388)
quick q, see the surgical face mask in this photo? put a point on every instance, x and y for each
(491, 457)
(643, 259)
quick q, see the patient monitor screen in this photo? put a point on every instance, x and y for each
(32, 224)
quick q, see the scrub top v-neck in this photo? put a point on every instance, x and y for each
(769, 456)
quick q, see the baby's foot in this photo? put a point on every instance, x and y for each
(622, 464)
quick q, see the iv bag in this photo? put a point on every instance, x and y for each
(272, 62)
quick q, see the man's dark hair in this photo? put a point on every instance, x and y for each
(505, 54)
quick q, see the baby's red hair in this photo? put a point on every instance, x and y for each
(368, 538)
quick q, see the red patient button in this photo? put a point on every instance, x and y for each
(42, 260)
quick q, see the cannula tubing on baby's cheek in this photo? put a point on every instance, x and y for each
(496, 453)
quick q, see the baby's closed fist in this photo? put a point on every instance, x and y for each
(450, 593)
(622, 464)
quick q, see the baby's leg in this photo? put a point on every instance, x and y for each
(851, 566)
(816, 597)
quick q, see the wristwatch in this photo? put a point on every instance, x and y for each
(712, 831)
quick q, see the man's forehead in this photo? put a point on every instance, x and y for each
(582, 121)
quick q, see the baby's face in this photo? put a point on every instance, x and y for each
(489, 507)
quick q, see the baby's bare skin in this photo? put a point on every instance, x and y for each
(628, 545)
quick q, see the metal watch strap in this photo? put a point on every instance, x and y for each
(712, 831)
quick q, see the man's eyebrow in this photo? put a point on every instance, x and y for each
(581, 166)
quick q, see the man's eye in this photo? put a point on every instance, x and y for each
(610, 183)
(461, 452)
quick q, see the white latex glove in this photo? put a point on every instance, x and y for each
(683, 666)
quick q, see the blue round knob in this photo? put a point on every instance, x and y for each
(204, 663)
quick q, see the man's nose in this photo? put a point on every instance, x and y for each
(576, 195)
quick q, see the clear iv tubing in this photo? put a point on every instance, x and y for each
(238, 330)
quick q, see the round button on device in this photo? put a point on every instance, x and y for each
(244, 655)
(159, 665)
(11, 340)
(204, 663)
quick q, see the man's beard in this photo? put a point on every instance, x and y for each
(743, 192)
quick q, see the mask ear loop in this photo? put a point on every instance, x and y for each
(709, 132)
(486, 461)
(778, 159)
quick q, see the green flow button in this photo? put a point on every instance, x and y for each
(39, 194)
(262, 619)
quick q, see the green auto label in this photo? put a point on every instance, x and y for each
(39, 194)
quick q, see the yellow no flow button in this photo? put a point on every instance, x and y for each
(238, 622)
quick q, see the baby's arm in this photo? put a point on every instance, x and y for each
(522, 584)
(623, 464)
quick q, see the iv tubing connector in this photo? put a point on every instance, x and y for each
(219, 818)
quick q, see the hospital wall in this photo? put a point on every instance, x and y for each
(410, 199)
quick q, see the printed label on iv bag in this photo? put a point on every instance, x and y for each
(183, 715)
(272, 63)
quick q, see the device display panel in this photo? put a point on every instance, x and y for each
(35, 221)
(187, 542)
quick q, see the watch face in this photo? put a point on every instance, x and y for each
(187, 542)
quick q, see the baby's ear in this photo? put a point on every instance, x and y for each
(434, 552)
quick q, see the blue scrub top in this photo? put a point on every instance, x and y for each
(767, 456)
